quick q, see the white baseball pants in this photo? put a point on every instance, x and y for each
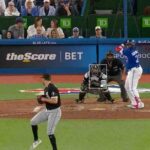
(131, 85)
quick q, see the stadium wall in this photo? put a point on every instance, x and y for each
(66, 56)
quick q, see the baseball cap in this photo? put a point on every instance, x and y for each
(109, 53)
(46, 1)
(97, 28)
(75, 29)
(46, 76)
(19, 20)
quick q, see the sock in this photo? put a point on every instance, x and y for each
(102, 95)
(53, 141)
(35, 132)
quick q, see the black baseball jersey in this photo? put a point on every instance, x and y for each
(114, 67)
(52, 91)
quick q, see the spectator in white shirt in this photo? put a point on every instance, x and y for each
(2, 7)
(32, 28)
(54, 25)
(11, 10)
(47, 9)
(39, 33)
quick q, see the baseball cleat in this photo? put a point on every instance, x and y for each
(136, 106)
(79, 101)
(132, 106)
(111, 100)
(35, 144)
(141, 105)
(101, 100)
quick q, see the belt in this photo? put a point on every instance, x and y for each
(134, 67)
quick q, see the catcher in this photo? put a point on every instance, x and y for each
(95, 82)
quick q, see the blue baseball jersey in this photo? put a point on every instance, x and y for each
(132, 59)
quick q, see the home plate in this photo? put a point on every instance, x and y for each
(97, 109)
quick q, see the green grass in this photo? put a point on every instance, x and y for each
(79, 135)
(11, 91)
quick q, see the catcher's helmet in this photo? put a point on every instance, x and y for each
(95, 69)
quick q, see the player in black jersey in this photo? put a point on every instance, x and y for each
(50, 113)
(115, 70)
(95, 82)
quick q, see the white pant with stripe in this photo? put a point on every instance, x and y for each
(131, 85)
(51, 116)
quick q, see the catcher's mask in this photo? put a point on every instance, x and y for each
(94, 69)
(109, 56)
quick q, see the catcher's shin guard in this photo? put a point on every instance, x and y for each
(81, 97)
(102, 97)
(108, 96)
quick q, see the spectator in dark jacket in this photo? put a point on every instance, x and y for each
(64, 8)
(39, 2)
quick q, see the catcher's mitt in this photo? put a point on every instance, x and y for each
(39, 99)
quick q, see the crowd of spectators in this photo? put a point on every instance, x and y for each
(40, 7)
(38, 30)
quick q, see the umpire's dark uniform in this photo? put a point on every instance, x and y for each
(114, 72)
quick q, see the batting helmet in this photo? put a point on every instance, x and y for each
(129, 43)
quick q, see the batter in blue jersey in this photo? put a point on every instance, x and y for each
(134, 70)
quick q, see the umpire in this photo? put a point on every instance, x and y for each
(115, 69)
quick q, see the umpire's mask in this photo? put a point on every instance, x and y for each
(109, 56)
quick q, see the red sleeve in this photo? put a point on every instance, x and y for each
(119, 48)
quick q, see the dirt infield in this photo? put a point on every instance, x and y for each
(90, 110)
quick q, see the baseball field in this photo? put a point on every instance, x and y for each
(88, 126)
